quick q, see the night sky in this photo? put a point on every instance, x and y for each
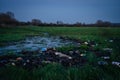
(68, 11)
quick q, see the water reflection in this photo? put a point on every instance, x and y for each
(35, 43)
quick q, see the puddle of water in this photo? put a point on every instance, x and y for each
(35, 43)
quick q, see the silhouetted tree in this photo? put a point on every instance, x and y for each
(59, 22)
(78, 24)
(7, 19)
(101, 23)
(36, 22)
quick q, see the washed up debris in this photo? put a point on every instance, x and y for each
(82, 55)
(110, 40)
(27, 60)
(92, 45)
(62, 55)
(43, 49)
(105, 57)
(107, 49)
(24, 64)
(102, 63)
(48, 54)
(116, 63)
(19, 59)
(13, 64)
(86, 43)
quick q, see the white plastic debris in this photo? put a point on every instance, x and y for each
(86, 43)
(110, 40)
(62, 55)
(13, 64)
(116, 63)
(82, 55)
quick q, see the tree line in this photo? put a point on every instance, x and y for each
(8, 19)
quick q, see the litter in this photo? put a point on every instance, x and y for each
(62, 55)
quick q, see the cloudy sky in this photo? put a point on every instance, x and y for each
(68, 11)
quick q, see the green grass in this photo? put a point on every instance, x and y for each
(94, 33)
(56, 71)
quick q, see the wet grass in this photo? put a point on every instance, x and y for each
(57, 71)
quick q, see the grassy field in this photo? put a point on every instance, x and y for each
(84, 33)
(56, 71)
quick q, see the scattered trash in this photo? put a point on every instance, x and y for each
(82, 54)
(110, 40)
(38, 55)
(13, 64)
(102, 63)
(24, 64)
(19, 58)
(105, 57)
(116, 63)
(62, 55)
(107, 49)
(43, 49)
(86, 43)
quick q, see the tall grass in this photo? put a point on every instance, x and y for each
(58, 72)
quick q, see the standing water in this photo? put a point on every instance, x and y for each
(35, 43)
